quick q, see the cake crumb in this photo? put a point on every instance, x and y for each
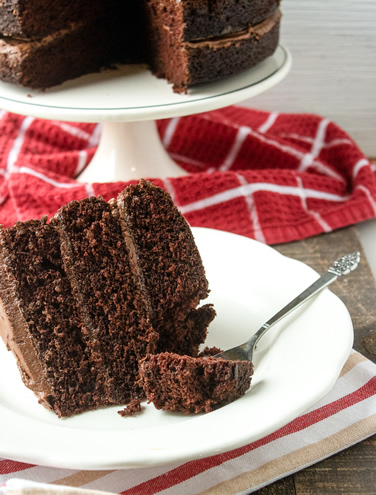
(193, 384)
(132, 408)
(210, 351)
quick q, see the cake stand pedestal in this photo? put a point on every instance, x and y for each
(130, 150)
(127, 103)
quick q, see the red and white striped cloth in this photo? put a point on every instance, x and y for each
(273, 177)
(345, 416)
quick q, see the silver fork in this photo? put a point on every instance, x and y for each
(342, 266)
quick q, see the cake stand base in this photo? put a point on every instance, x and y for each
(130, 150)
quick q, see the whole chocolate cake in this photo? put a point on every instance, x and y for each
(193, 385)
(44, 43)
(85, 297)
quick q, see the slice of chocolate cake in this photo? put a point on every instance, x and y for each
(85, 297)
(169, 267)
(193, 385)
(40, 323)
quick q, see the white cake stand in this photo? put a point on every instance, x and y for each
(127, 103)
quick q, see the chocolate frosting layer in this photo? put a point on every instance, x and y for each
(230, 39)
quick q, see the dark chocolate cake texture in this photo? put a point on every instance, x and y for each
(193, 385)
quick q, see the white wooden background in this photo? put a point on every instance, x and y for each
(333, 44)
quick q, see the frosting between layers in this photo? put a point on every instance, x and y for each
(230, 39)
(16, 47)
(116, 205)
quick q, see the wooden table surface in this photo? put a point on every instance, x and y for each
(352, 471)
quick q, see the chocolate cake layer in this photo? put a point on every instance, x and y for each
(219, 57)
(170, 266)
(25, 19)
(40, 322)
(96, 259)
(193, 385)
(201, 19)
(69, 53)
(183, 334)
(211, 59)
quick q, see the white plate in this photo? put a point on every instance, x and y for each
(133, 93)
(296, 364)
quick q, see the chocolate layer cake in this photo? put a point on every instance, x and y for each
(81, 303)
(193, 385)
(44, 43)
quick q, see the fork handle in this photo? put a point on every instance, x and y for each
(313, 289)
(342, 266)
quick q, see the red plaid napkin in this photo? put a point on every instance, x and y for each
(273, 177)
